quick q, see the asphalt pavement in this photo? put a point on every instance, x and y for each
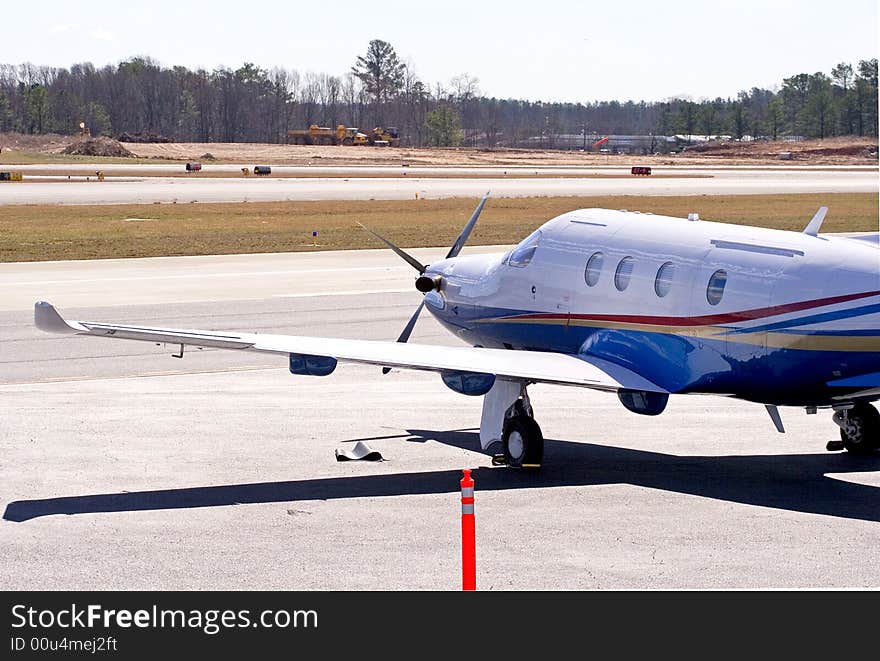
(122, 467)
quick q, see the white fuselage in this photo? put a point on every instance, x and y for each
(695, 306)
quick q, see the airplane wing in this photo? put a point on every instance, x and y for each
(531, 366)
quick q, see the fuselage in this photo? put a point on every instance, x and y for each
(693, 306)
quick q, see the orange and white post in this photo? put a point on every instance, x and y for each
(468, 534)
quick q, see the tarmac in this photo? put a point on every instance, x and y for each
(164, 189)
(124, 468)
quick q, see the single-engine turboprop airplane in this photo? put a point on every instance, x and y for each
(638, 304)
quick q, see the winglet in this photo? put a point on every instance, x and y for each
(48, 320)
(813, 228)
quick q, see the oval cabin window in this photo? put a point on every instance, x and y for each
(623, 273)
(594, 268)
(663, 281)
(715, 290)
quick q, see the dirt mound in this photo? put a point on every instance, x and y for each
(208, 156)
(97, 147)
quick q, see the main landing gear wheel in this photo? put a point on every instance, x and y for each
(860, 429)
(523, 442)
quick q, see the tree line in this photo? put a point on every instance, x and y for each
(251, 104)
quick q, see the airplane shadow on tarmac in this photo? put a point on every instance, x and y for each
(794, 482)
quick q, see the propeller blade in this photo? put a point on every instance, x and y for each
(453, 252)
(466, 232)
(407, 330)
(409, 259)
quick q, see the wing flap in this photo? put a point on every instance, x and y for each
(535, 366)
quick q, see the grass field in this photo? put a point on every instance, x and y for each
(37, 233)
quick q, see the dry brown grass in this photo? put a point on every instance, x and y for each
(37, 233)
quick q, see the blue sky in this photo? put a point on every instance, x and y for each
(550, 50)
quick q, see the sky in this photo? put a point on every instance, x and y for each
(552, 50)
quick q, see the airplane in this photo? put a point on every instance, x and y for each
(641, 305)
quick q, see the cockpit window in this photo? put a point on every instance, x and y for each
(524, 252)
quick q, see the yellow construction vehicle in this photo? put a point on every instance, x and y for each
(357, 138)
(343, 135)
(324, 135)
(384, 137)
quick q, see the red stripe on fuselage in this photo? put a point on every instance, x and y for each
(705, 320)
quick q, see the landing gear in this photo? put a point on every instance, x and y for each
(522, 440)
(859, 428)
(508, 419)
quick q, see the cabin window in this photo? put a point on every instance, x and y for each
(715, 290)
(663, 281)
(623, 273)
(524, 252)
(594, 268)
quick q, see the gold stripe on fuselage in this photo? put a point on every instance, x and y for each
(797, 341)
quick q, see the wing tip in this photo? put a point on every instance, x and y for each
(47, 319)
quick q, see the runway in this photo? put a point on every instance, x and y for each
(124, 468)
(460, 182)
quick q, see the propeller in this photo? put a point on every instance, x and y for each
(408, 329)
(409, 259)
(468, 228)
(421, 268)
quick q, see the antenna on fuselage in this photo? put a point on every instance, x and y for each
(813, 228)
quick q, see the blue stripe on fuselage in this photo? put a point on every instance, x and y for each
(825, 317)
(678, 363)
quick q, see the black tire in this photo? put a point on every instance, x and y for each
(866, 420)
(523, 442)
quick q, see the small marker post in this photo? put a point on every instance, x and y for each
(315, 238)
(468, 534)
